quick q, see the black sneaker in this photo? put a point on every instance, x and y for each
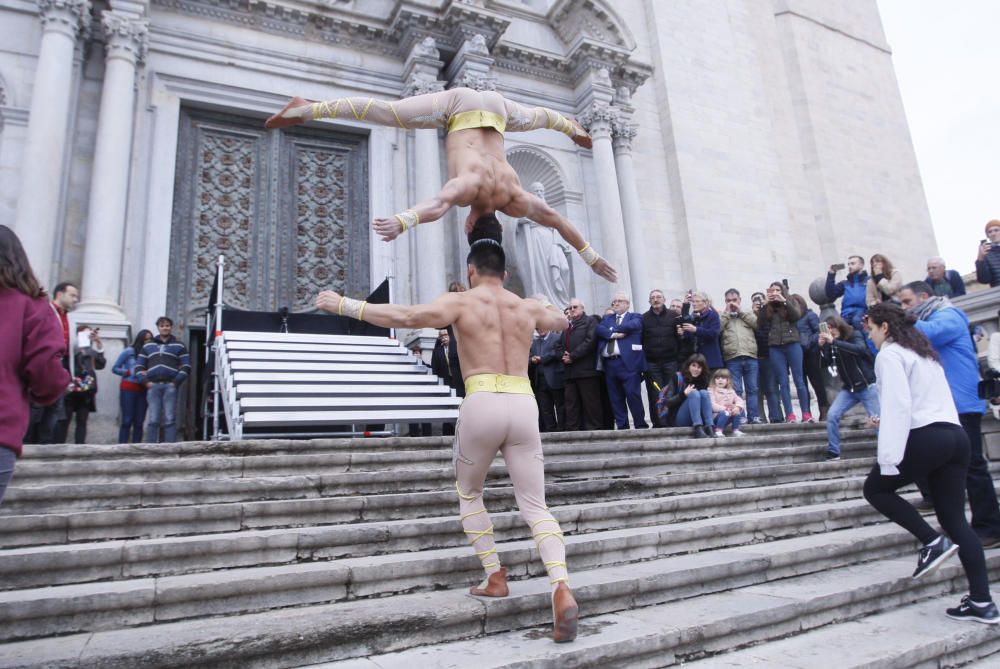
(697, 432)
(832, 458)
(989, 541)
(966, 610)
(931, 557)
(925, 504)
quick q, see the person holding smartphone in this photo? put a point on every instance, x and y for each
(782, 315)
(853, 290)
(844, 349)
(988, 260)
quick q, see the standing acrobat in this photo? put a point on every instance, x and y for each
(478, 173)
(494, 328)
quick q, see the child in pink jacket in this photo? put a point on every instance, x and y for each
(728, 408)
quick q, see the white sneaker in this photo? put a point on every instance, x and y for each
(739, 433)
(719, 433)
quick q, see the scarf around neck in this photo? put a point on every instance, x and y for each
(924, 311)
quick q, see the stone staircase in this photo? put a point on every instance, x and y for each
(348, 553)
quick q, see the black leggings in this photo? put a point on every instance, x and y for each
(939, 452)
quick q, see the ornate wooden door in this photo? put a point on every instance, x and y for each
(288, 209)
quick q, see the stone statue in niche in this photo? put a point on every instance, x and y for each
(541, 260)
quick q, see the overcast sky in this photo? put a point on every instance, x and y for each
(947, 59)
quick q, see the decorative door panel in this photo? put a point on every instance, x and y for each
(288, 210)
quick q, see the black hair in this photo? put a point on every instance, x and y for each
(164, 319)
(920, 287)
(61, 288)
(700, 381)
(902, 330)
(733, 291)
(485, 252)
(140, 340)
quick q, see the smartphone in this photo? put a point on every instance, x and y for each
(985, 241)
(838, 266)
(824, 328)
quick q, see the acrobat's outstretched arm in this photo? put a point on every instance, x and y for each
(457, 191)
(534, 208)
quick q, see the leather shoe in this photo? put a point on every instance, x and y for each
(697, 432)
(564, 614)
(496, 585)
(709, 431)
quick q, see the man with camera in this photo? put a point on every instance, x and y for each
(988, 260)
(853, 289)
(947, 328)
(739, 350)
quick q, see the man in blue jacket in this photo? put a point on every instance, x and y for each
(619, 352)
(947, 328)
(852, 289)
(162, 366)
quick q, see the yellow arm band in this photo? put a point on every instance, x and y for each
(589, 255)
(352, 308)
(407, 219)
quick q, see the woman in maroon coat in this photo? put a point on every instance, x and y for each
(31, 350)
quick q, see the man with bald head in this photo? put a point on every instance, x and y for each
(619, 339)
(944, 282)
(582, 394)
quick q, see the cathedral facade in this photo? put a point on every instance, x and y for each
(735, 142)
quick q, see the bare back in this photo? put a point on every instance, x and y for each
(476, 155)
(494, 331)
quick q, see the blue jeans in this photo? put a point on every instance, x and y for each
(783, 358)
(133, 406)
(696, 410)
(723, 419)
(770, 389)
(7, 460)
(162, 399)
(745, 371)
(843, 403)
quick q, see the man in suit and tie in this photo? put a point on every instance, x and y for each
(619, 345)
(550, 379)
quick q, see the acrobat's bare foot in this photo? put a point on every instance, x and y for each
(292, 114)
(387, 228)
(604, 270)
(582, 137)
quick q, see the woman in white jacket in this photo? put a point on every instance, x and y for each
(920, 437)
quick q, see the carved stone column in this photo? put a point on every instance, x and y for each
(599, 120)
(422, 68)
(126, 47)
(45, 149)
(470, 68)
(623, 132)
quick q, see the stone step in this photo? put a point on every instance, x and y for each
(656, 527)
(596, 441)
(866, 615)
(693, 496)
(681, 617)
(918, 635)
(79, 607)
(561, 460)
(180, 492)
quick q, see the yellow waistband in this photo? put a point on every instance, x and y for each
(498, 383)
(477, 119)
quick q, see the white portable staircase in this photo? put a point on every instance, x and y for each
(280, 384)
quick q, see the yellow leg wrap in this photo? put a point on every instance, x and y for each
(552, 565)
(463, 495)
(398, 120)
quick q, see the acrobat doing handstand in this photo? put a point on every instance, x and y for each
(479, 176)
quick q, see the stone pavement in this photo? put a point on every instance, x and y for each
(348, 553)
